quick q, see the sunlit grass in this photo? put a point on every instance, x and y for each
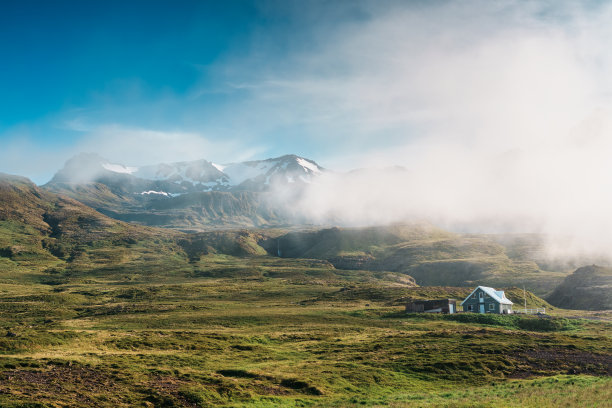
(263, 331)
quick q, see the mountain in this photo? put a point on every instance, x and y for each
(53, 240)
(172, 179)
(48, 237)
(192, 195)
(589, 288)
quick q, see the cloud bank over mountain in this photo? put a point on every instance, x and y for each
(500, 111)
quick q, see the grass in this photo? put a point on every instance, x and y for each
(263, 331)
(555, 391)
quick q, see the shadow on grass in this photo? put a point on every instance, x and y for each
(530, 323)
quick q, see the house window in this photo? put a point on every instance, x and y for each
(473, 296)
(470, 308)
(491, 306)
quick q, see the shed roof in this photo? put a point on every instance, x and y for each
(497, 295)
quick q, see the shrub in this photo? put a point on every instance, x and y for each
(531, 323)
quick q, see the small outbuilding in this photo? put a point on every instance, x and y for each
(484, 299)
(432, 306)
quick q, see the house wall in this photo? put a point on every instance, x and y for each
(490, 304)
(415, 308)
(439, 306)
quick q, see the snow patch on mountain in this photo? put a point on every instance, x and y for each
(199, 171)
(155, 192)
(238, 173)
(161, 193)
(219, 167)
(308, 165)
(166, 179)
(119, 168)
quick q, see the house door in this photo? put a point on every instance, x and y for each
(482, 308)
(451, 308)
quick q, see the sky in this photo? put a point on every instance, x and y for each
(497, 109)
(345, 83)
(159, 80)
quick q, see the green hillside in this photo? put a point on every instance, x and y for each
(433, 257)
(194, 211)
(589, 288)
(266, 331)
(40, 230)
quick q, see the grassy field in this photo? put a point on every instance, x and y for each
(263, 331)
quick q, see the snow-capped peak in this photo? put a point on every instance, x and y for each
(259, 174)
(308, 165)
(219, 167)
(168, 179)
(88, 167)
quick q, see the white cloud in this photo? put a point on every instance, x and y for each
(501, 112)
(136, 146)
(129, 146)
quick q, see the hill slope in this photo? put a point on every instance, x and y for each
(41, 230)
(433, 257)
(589, 288)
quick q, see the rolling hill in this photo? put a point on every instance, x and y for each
(588, 288)
(433, 257)
(44, 232)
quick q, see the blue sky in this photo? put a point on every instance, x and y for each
(346, 83)
(61, 55)
(69, 67)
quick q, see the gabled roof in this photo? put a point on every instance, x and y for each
(498, 295)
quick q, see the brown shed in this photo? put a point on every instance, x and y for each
(432, 306)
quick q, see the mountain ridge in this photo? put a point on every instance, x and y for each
(189, 176)
(190, 195)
